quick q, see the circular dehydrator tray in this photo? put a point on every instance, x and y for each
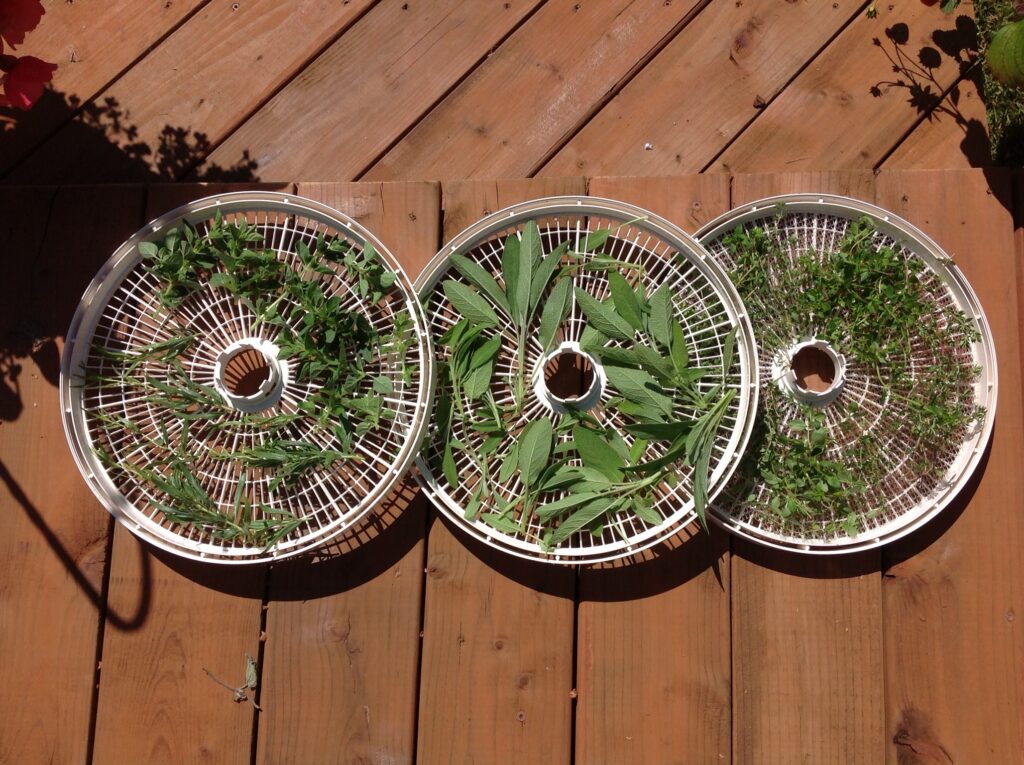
(871, 419)
(654, 253)
(222, 449)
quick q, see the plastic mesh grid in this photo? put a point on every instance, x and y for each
(705, 304)
(121, 312)
(905, 497)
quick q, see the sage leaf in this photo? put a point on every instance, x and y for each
(638, 386)
(478, 381)
(679, 352)
(597, 453)
(604, 319)
(659, 326)
(509, 464)
(534, 449)
(487, 351)
(555, 310)
(517, 270)
(581, 518)
(645, 511)
(468, 302)
(660, 431)
(499, 522)
(542, 275)
(555, 508)
(625, 300)
(595, 239)
(478, 276)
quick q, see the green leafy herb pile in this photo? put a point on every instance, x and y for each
(545, 478)
(333, 351)
(828, 470)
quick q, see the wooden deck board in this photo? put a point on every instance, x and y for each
(90, 50)
(953, 136)
(849, 107)
(497, 666)
(369, 87)
(342, 649)
(168, 130)
(807, 631)
(653, 645)
(954, 656)
(563, 61)
(53, 534)
(681, 111)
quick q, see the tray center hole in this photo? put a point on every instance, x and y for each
(814, 369)
(569, 375)
(246, 371)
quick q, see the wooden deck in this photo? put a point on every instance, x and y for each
(407, 642)
(410, 643)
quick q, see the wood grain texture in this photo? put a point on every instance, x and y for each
(53, 534)
(849, 107)
(343, 627)
(807, 632)
(677, 114)
(954, 655)
(553, 71)
(953, 136)
(223, 63)
(497, 666)
(156, 702)
(91, 44)
(653, 643)
(369, 87)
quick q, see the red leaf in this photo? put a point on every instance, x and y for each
(23, 84)
(18, 18)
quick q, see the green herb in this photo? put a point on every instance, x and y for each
(877, 305)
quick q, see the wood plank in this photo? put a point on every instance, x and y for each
(562, 62)
(54, 536)
(953, 136)
(156, 703)
(378, 79)
(954, 657)
(678, 113)
(849, 107)
(497, 666)
(343, 628)
(807, 632)
(90, 47)
(219, 78)
(653, 647)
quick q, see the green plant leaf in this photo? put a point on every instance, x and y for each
(680, 353)
(479, 277)
(556, 507)
(660, 431)
(517, 270)
(603, 318)
(509, 464)
(534, 449)
(659, 327)
(468, 302)
(645, 511)
(638, 386)
(383, 384)
(581, 518)
(625, 300)
(595, 239)
(542, 275)
(501, 523)
(478, 381)
(597, 453)
(555, 310)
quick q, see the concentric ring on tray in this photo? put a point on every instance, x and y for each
(473, 465)
(902, 413)
(246, 377)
